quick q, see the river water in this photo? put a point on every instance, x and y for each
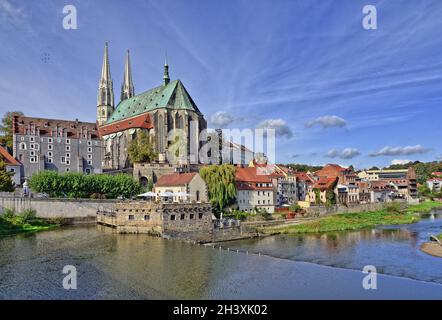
(327, 266)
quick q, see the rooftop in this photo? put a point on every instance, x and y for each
(171, 96)
(175, 179)
(8, 158)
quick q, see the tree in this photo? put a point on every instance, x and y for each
(221, 184)
(141, 149)
(5, 178)
(6, 128)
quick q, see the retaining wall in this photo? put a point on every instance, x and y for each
(73, 210)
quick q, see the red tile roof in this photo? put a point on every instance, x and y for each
(175, 179)
(252, 174)
(325, 183)
(303, 176)
(10, 160)
(141, 121)
(46, 127)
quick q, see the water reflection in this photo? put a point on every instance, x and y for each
(119, 266)
(393, 250)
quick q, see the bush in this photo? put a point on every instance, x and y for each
(9, 213)
(28, 215)
(77, 185)
(393, 207)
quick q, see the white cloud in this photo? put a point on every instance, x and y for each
(327, 122)
(400, 151)
(280, 126)
(400, 161)
(347, 153)
(221, 119)
(9, 11)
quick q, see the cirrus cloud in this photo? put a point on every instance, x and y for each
(400, 151)
(280, 126)
(327, 122)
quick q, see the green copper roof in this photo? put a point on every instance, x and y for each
(171, 96)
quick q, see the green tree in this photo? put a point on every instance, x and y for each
(141, 149)
(5, 178)
(6, 128)
(221, 184)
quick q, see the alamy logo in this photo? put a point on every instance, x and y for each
(370, 280)
(70, 20)
(70, 281)
(370, 20)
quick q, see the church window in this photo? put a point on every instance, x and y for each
(68, 169)
(22, 146)
(89, 162)
(50, 160)
(50, 147)
(68, 155)
(89, 156)
(22, 138)
(183, 216)
(89, 149)
(89, 143)
(172, 217)
(68, 148)
(68, 141)
(160, 133)
(50, 140)
(32, 139)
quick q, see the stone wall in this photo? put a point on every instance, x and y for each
(190, 221)
(322, 210)
(75, 210)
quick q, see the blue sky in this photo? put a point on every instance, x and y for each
(334, 91)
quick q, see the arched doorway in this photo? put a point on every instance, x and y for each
(144, 182)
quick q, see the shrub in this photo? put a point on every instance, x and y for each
(28, 215)
(9, 213)
(77, 185)
(393, 207)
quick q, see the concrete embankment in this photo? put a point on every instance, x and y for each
(72, 211)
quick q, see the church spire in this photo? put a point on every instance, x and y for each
(166, 78)
(105, 98)
(127, 89)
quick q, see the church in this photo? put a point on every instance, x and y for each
(155, 111)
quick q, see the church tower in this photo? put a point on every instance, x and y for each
(105, 98)
(127, 89)
(166, 78)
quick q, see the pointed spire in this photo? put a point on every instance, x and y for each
(105, 97)
(166, 78)
(105, 70)
(127, 89)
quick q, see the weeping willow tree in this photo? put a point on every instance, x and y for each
(220, 180)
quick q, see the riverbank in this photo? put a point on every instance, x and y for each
(432, 248)
(391, 214)
(25, 222)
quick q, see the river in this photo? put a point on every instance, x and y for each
(327, 266)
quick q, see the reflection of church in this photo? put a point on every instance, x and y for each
(156, 111)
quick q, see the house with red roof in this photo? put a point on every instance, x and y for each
(254, 190)
(320, 188)
(435, 184)
(182, 187)
(13, 166)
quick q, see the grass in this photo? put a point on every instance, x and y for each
(391, 214)
(424, 207)
(346, 221)
(25, 222)
(439, 236)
